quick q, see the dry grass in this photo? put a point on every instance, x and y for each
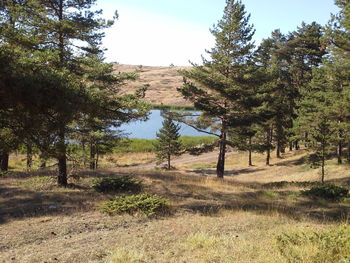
(163, 82)
(127, 159)
(235, 220)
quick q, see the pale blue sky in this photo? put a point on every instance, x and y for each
(161, 32)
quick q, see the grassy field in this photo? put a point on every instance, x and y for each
(147, 145)
(244, 218)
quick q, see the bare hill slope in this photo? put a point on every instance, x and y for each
(163, 82)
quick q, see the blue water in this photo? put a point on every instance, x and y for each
(148, 129)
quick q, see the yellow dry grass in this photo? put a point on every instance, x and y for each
(163, 82)
(235, 220)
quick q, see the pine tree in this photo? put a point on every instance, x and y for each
(58, 76)
(222, 88)
(168, 143)
(337, 41)
(316, 118)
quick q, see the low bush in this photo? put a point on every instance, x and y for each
(331, 246)
(117, 184)
(146, 204)
(327, 191)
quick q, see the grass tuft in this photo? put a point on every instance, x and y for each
(315, 247)
(125, 256)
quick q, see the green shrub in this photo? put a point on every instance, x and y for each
(117, 184)
(327, 191)
(332, 246)
(147, 204)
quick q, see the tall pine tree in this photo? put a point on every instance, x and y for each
(222, 88)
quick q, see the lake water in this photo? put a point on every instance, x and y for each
(148, 129)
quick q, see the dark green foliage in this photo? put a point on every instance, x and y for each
(327, 191)
(172, 107)
(146, 204)
(322, 247)
(223, 87)
(168, 143)
(117, 184)
(54, 84)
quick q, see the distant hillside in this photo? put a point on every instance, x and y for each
(163, 82)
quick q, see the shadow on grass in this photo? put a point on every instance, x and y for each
(300, 161)
(228, 173)
(192, 194)
(255, 202)
(19, 202)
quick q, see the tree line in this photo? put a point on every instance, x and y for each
(55, 87)
(291, 89)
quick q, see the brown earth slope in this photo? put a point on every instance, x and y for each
(163, 82)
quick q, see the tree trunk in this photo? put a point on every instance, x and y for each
(62, 179)
(220, 167)
(250, 163)
(278, 150)
(97, 157)
(268, 155)
(168, 158)
(322, 163)
(4, 161)
(283, 149)
(340, 147)
(29, 156)
(268, 143)
(92, 157)
(340, 152)
(297, 147)
(43, 159)
(291, 146)
(84, 153)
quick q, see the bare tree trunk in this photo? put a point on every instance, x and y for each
(4, 161)
(62, 179)
(268, 156)
(323, 163)
(340, 147)
(220, 167)
(268, 141)
(97, 157)
(84, 153)
(92, 157)
(250, 163)
(168, 158)
(29, 156)
(278, 150)
(340, 152)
